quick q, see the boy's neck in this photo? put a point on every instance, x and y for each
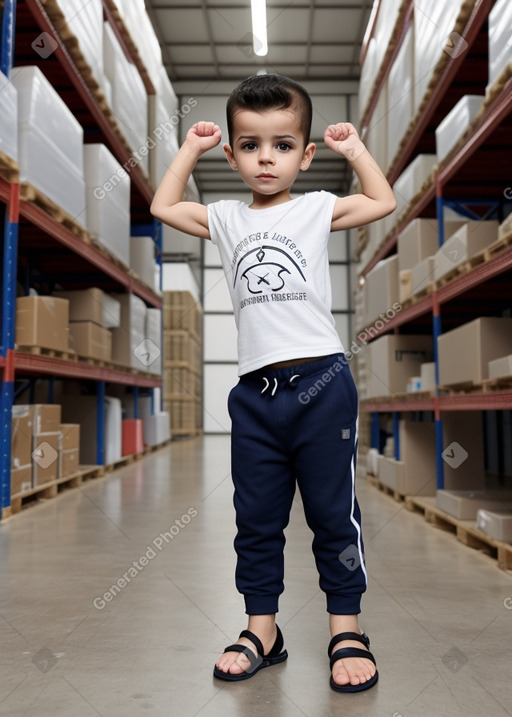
(264, 201)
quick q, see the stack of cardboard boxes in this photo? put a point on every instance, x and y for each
(183, 356)
(43, 448)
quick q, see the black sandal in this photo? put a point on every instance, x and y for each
(274, 657)
(344, 652)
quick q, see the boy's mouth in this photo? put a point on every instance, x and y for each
(265, 175)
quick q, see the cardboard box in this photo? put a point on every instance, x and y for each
(465, 504)
(423, 274)
(70, 436)
(42, 321)
(46, 457)
(92, 305)
(404, 285)
(463, 450)
(69, 462)
(391, 360)
(465, 243)
(465, 352)
(45, 417)
(90, 340)
(21, 479)
(21, 437)
(496, 523)
(390, 472)
(381, 288)
(418, 240)
(500, 367)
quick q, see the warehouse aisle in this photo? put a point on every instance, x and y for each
(162, 530)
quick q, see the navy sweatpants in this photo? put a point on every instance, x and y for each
(297, 426)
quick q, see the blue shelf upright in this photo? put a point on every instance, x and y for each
(8, 285)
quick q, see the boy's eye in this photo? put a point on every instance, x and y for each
(284, 146)
(249, 145)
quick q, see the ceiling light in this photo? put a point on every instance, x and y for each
(259, 27)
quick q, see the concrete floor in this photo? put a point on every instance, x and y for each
(436, 611)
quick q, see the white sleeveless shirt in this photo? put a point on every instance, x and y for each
(277, 269)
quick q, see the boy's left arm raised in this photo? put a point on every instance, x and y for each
(168, 205)
(376, 199)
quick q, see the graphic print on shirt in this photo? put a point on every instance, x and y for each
(267, 269)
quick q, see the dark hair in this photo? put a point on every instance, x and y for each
(263, 92)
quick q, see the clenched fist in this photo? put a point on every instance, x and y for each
(343, 139)
(203, 136)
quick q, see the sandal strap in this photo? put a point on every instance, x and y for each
(345, 652)
(363, 639)
(255, 661)
(254, 639)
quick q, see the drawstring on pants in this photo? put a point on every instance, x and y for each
(292, 383)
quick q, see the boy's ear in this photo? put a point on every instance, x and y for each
(230, 156)
(307, 158)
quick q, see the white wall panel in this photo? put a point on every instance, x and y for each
(338, 246)
(216, 293)
(218, 381)
(339, 281)
(220, 338)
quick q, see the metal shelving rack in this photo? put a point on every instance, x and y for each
(34, 230)
(455, 182)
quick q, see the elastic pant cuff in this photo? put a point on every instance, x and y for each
(344, 604)
(261, 604)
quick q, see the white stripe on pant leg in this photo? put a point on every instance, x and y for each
(352, 519)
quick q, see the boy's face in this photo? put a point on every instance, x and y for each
(268, 152)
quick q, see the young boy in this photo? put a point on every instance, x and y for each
(294, 410)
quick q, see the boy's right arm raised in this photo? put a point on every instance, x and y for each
(168, 204)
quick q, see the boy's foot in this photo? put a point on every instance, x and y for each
(350, 670)
(236, 663)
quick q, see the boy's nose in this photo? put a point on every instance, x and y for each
(266, 156)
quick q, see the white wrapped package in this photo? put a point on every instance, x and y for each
(412, 178)
(128, 347)
(128, 91)
(166, 92)
(377, 139)
(154, 334)
(50, 142)
(500, 38)
(113, 430)
(434, 22)
(142, 258)
(163, 132)
(368, 75)
(85, 21)
(40, 106)
(9, 118)
(400, 95)
(108, 200)
(157, 429)
(455, 124)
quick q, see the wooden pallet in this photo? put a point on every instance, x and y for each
(9, 169)
(465, 531)
(29, 193)
(50, 490)
(41, 493)
(51, 353)
(490, 385)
